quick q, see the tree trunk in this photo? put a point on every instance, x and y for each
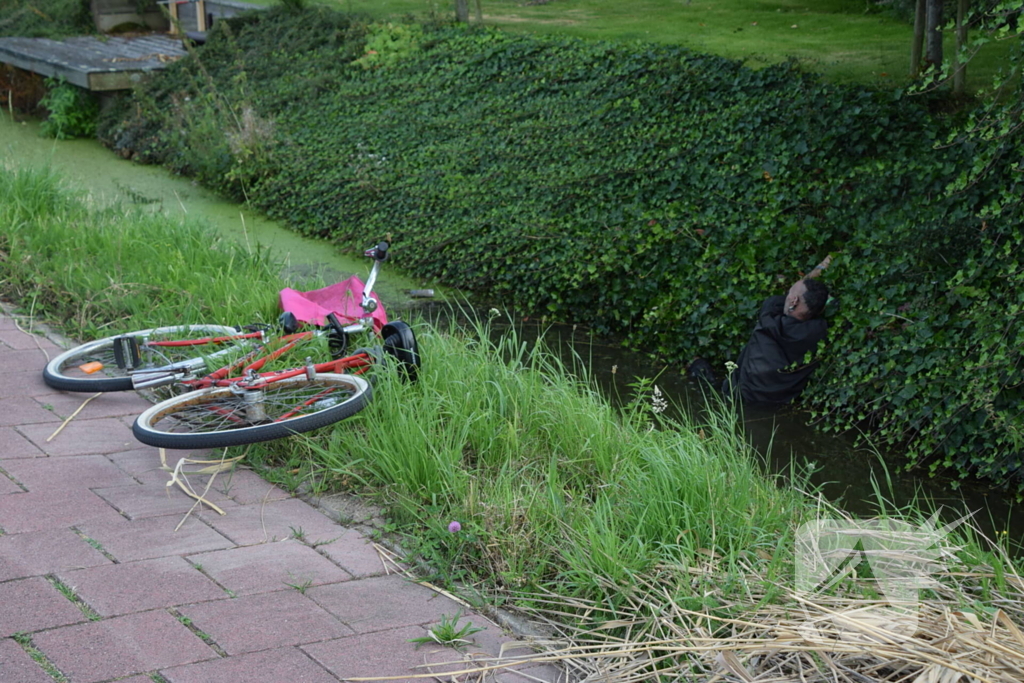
(932, 34)
(917, 47)
(960, 68)
(479, 12)
(462, 11)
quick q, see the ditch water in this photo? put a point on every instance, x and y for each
(843, 471)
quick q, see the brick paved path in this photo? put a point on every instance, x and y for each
(96, 585)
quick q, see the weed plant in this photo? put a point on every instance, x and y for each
(73, 111)
(449, 633)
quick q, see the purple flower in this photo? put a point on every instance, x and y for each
(454, 527)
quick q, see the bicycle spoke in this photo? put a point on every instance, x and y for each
(278, 402)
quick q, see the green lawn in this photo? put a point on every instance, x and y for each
(837, 38)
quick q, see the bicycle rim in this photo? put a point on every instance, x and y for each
(219, 417)
(65, 371)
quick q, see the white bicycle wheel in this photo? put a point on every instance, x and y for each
(102, 371)
(229, 416)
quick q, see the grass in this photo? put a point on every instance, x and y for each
(845, 40)
(621, 526)
(25, 640)
(69, 593)
(94, 543)
(202, 635)
(549, 482)
(301, 587)
(89, 269)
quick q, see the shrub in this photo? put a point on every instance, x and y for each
(45, 18)
(72, 111)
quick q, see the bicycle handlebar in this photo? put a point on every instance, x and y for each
(379, 252)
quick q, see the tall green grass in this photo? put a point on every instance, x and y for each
(552, 485)
(90, 268)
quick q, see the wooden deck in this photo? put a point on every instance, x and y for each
(92, 62)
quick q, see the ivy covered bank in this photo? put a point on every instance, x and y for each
(645, 190)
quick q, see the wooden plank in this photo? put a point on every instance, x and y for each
(44, 67)
(115, 80)
(114, 63)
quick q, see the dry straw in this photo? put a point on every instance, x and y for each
(797, 640)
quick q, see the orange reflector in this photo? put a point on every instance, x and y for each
(92, 367)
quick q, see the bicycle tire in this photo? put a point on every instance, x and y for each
(400, 343)
(62, 371)
(217, 417)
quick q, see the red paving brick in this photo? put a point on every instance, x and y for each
(33, 604)
(118, 589)
(22, 411)
(246, 487)
(8, 486)
(42, 510)
(114, 404)
(278, 520)
(83, 437)
(387, 653)
(45, 552)
(14, 445)
(23, 339)
(363, 655)
(113, 648)
(355, 554)
(17, 666)
(27, 383)
(269, 567)
(260, 622)
(284, 664)
(549, 673)
(23, 360)
(145, 539)
(143, 463)
(383, 602)
(139, 501)
(80, 471)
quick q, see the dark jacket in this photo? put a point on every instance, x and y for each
(771, 369)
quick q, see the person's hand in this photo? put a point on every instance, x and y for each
(825, 262)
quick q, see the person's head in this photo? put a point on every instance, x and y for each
(806, 299)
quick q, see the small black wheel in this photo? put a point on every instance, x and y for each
(400, 343)
(231, 416)
(94, 366)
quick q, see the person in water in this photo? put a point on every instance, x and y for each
(771, 370)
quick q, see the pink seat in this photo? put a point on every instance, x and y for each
(341, 298)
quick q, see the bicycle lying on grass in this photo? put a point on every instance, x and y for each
(225, 395)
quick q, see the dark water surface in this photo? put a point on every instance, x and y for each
(844, 472)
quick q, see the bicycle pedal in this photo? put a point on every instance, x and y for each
(126, 353)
